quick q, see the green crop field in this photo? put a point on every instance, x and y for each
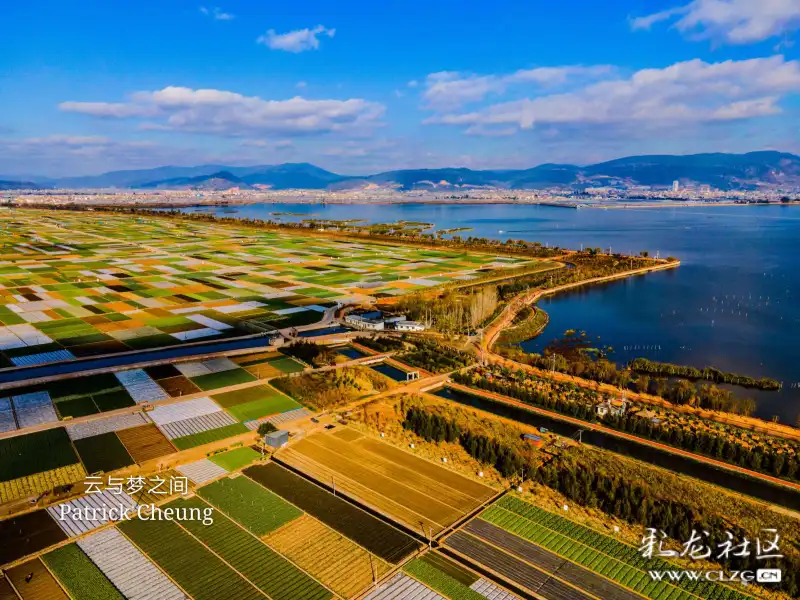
(193, 567)
(35, 452)
(248, 503)
(214, 381)
(97, 283)
(206, 437)
(79, 575)
(255, 402)
(444, 576)
(266, 569)
(235, 459)
(597, 552)
(104, 452)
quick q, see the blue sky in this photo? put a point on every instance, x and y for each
(359, 87)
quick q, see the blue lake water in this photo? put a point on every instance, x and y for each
(732, 304)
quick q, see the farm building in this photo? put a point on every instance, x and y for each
(364, 322)
(277, 439)
(409, 326)
(615, 408)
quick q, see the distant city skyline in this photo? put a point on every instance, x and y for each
(369, 87)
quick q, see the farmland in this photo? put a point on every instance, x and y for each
(343, 566)
(235, 459)
(398, 484)
(254, 402)
(104, 452)
(78, 284)
(328, 389)
(382, 540)
(190, 564)
(32, 453)
(444, 576)
(255, 507)
(595, 551)
(28, 533)
(79, 575)
(145, 442)
(206, 437)
(42, 586)
(262, 566)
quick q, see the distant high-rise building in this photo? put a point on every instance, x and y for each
(676, 185)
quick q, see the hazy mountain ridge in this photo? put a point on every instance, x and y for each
(723, 171)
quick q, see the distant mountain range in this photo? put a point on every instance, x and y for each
(721, 171)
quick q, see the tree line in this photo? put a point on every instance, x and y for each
(436, 428)
(629, 500)
(643, 365)
(679, 391)
(569, 400)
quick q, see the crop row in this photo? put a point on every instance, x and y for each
(382, 540)
(202, 574)
(79, 575)
(266, 569)
(428, 571)
(326, 554)
(594, 550)
(35, 452)
(255, 507)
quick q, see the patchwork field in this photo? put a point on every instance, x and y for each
(42, 586)
(79, 575)
(333, 559)
(255, 402)
(451, 580)
(590, 549)
(401, 485)
(369, 532)
(188, 562)
(262, 566)
(76, 284)
(26, 534)
(258, 509)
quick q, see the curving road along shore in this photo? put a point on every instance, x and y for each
(508, 314)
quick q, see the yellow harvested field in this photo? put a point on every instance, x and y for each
(342, 565)
(33, 485)
(390, 480)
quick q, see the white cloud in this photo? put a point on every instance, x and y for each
(735, 21)
(298, 40)
(228, 113)
(217, 14)
(301, 85)
(450, 89)
(690, 92)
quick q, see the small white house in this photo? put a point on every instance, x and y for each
(409, 326)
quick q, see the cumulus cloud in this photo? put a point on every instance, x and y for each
(688, 92)
(217, 14)
(735, 21)
(228, 113)
(295, 41)
(451, 89)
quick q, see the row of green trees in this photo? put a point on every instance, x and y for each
(570, 400)
(643, 365)
(712, 444)
(632, 501)
(436, 428)
(679, 391)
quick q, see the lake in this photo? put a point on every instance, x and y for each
(730, 304)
